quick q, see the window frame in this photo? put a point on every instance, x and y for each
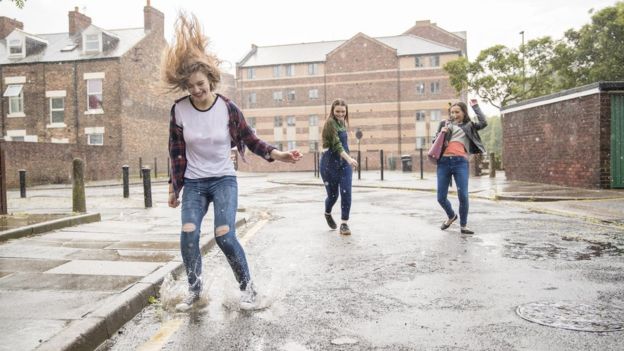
(53, 109)
(101, 93)
(21, 47)
(90, 136)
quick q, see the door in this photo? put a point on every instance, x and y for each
(617, 141)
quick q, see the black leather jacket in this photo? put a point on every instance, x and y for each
(471, 129)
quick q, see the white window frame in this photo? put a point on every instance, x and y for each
(313, 94)
(290, 70)
(54, 124)
(418, 62)
(420, 88)
(87, 42)
(292, 95)
(251, 73)
(313, 120)
(15, 93)
(421, 116)
(435, 87)
(276, 71)
(291, 121)
(434, 61)
(312, 69)
(251, 98)
(94, 131)
(292, 144)
(435, 115)
(21, 135)
(277, 96)
(20, 44)
(277, 119)
(95, 111)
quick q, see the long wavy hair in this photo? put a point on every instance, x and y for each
(188, 55)
(328, 128)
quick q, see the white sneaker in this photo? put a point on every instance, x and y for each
(248, 297)
(187, 302)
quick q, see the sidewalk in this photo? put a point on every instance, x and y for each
(72, 288)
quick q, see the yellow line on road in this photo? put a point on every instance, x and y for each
(252, 231)
(162, 336)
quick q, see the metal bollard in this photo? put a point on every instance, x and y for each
(381, 157)
(22, 180)
(147, 187)
(155, 168)
(140, 167)
(125, 170)
(359, 165)
(421, 163)
(79, 203)
(492, 165)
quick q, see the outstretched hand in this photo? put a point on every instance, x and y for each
(473, 102)
(290, 156)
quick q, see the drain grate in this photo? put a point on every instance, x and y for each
(574, 316)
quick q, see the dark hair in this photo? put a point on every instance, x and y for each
(328, 128)
(464, 109)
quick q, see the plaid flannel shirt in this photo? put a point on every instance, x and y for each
(240, 134)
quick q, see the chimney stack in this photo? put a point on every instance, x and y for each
(153, 20)
(7, 25)
(77, 21)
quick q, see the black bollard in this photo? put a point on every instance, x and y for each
(366, 161)
(421, 163)
(492, 165)
(155, 168)
(381, 158)
(22, 178)
(125, 171)
(140, 167)
(315, 164)
(359, 165)
(79, 203)
(147, 187)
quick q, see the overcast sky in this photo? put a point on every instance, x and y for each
(233, 25)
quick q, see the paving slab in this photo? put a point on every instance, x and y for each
(46, 304)
(126, 255)
(28, 265)
(103, 268)
(27, 334)
(43, 281)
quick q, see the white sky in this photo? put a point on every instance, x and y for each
(233, 25)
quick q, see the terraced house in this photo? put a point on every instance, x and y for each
(395, 86)
(89, 92)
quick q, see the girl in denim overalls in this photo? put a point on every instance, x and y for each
(336, 164)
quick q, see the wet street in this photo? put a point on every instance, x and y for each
(399, 282)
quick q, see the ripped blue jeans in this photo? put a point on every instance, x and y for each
(196, 198)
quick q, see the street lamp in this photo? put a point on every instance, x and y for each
(523, 72)
(358, 135)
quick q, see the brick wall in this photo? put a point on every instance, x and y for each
(52, 163)
(563, 143)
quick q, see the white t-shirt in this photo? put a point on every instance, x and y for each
(207, 138)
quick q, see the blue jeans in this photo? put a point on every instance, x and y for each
(336, 174)
(457, 167)
(197, 196)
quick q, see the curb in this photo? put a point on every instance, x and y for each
(100, 325)
(43, 227)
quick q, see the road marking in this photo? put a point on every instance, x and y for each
(162, 336)
(252, 231)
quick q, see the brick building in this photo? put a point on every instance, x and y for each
(395, 86)
(89, 91)
(571, 138)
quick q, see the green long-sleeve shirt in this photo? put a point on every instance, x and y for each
(331, 140)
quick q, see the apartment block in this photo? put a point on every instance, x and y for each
(396, 89)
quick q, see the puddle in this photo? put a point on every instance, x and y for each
(574, 316)
(20, 220)
(543, 251)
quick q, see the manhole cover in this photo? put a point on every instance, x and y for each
(574, 316)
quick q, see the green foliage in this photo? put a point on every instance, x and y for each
(492, 136)
(501, 75)
(19, 3)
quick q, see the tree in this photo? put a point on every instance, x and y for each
(19, 3)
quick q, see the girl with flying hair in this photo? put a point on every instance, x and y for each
(204, 126)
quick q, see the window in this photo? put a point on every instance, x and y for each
(420, 143)
(276, 71)
(279, 146)
(15, 47)
(292, 145)
(251, 73)
(418, 61)
(290, 70)
(313, 120)
(16, 98)
(313, 93)
(291, 95)
(251, 98)
(94, 94)
(291, 121)
(277, 121)
(420, 88)
(277, 96)
(435, 87)
(434, 61)
(18, 138)
(314, 144)
(57, 110)
(420, 116)
(251, 121)
(92, 42)
(95, 139)
(436, 115)
(312, 69)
